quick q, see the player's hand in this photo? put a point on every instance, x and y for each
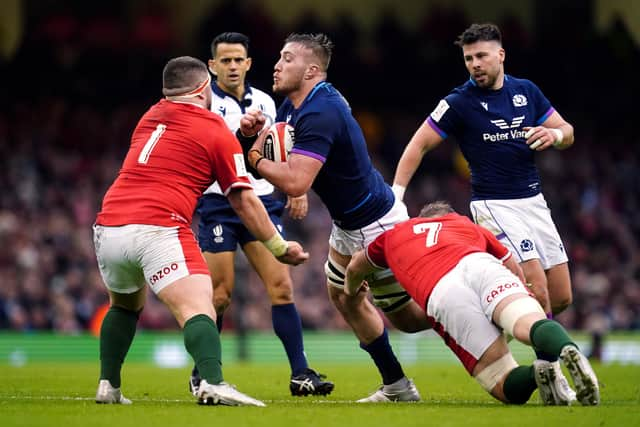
(295, 255)
(252, 122)
(298, 206)
(539, 138)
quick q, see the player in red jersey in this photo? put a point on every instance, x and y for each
(143, 231)
(470, 288)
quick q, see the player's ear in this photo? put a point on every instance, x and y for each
(502, 55)
(211, 63)
(249, 62)
(312, 71)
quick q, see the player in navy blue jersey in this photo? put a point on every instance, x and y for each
(330, 155)
(220, 230)
(500, 123)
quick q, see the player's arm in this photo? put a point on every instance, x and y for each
(514, 267)
(554, 132)
(359, 267)
(253, 215)
(500, 251)
(294, 177)
(423, 140)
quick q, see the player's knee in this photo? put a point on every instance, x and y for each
(558, 307)
(280, 291)
(516, 310)
(221, 301)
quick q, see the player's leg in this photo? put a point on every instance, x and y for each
(368, 326)
(125, 282)
(286, 320)
(526, 228)
(189, 299)
(221, 267)
(458, 314)
(116, 335)
(391, 298)
(217, 238)
(537, 282)
(222, 272)
(515, 223)
(559, 284)
(523, 318)
(553, 256)
(185, 288)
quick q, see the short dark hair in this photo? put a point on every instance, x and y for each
(319, 43)
(182, 75)
(479, 32)
(437, 208)
(231, 38)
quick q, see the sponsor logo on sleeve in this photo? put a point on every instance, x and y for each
(440, 109)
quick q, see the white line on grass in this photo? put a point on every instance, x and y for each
(146, 399)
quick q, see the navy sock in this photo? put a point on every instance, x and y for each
(288, 327)
(382, 355)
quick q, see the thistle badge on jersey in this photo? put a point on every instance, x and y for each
(278, 142)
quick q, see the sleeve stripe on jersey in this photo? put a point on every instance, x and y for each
(435, 127)
(309, 154)
(506, 257)
(237, 185)
(545, 116)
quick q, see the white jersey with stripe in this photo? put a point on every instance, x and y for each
(231, 110)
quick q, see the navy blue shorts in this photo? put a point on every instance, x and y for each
(220, 228)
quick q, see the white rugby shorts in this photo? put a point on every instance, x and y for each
(524, 226)
(348, 242)
(130, 255)
(461, 305)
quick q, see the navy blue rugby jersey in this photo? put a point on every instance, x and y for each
(488, 126)
(353, 191)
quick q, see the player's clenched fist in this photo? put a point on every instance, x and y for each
(252, 122)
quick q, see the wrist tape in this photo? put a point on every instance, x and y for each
(276, 245)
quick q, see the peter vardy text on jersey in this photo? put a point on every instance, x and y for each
(506, 136)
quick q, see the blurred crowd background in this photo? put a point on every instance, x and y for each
(79, 75)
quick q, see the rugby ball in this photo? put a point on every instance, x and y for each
(278, 142)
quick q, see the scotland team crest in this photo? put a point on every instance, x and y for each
(526, 245)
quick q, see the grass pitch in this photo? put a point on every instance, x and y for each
(61, 394)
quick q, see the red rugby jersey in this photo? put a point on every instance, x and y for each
(177, 150)
(422, 250)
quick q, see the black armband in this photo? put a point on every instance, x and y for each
(246, 141)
